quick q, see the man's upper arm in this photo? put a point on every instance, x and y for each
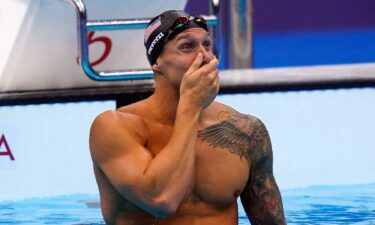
(119, 153)
(261, 198)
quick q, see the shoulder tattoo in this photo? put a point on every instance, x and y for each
(238, 133)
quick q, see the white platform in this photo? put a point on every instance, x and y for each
(40, 49)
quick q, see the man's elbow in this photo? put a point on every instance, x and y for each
(165, 208)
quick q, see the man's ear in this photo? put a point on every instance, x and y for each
(156, 67)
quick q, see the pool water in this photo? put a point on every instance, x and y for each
(313, 205)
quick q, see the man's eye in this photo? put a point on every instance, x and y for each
(186, 46)
(207, 45)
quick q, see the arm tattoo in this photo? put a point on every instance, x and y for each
(261, 197)
(247, 137)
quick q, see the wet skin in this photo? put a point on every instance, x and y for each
(178, 157)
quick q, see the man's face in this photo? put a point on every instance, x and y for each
(179, 53)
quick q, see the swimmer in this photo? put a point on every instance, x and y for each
(179, 157)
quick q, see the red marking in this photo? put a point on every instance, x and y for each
(8, 152)
(107, 46)
(270, 200)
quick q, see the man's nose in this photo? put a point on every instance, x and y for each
(207, 54)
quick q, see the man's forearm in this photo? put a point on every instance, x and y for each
(170, 172)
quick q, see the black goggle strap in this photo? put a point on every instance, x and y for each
(200, 21)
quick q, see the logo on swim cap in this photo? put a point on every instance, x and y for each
(154, 42)
(152, 28)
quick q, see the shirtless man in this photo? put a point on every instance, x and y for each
(178, 157)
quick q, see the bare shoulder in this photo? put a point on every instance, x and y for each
(113, 129)
(115, 119)
(257, 134)
(225, 112)
(246, 132)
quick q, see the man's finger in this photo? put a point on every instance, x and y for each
(211, 66)
(196, 64)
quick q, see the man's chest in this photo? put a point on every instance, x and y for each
(220, 173)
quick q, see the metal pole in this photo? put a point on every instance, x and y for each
(84, 26)
(235, 21)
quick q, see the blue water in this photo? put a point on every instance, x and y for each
(331, 205)
(314, 205)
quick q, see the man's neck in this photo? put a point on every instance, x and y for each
(164, 103)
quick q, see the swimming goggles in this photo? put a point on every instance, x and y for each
(181, 23)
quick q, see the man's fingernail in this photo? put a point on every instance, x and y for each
(199, 56)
